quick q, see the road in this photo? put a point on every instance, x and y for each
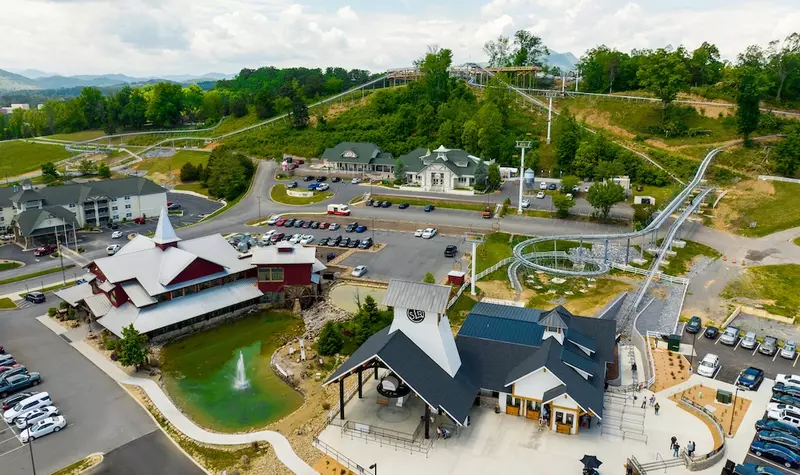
(152, 454)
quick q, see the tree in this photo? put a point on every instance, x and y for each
(166, 105)
(103, 171)
(568, 140)
(602, 196)
(784, 60)
(228, 173)
(498, 51)
(193, 101)
(563, 204)
(212, 105)
(429, 278)
(569, 182)
(705, 65)
(481, 173)
(605, 70)
(500, 95)
(426, 120)
(664, 73)
(787, 153)
(469, 138)
(435, 71)
(87, 166)
(135, 111)
(299, 113)
(330, 341)
(49, 172)
(750, 88)
(399, 171)
(94, 106)
(188, 172)
(132, 348)
(238, 106)
(529, 50)
(493, 180)
(490, 131)
(265, 104)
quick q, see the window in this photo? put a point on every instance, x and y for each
(554, 329)
(72, 205)
(113, 199)
(116, 217)
(113, 208)
(270, 274)
(127, 206)
(128, 215)
(127, 197)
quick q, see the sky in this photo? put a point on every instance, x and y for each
(162, 37)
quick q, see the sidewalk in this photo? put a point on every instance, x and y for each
(281, 445)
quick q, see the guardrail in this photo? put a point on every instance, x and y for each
(778, 178)
(700, 462)
(341, 458)
(387, 437)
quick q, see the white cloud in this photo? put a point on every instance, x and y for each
(151, 37)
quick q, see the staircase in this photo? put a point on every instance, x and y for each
(623, 417)
(660, 464)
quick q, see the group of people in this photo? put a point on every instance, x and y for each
(442, 431)
(652, 401)
(675, 447)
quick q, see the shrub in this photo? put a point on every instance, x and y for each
(55, 254)
(110, 345)
(81, 250)
(51, 312)
(507, 202)
(114, 356)
(326, 406)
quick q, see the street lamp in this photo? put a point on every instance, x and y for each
(733, 415)
(691, 355)
(374, 468)
(30, 446)
(522, 144)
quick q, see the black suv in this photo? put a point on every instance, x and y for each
(351, 227)
(345, 242)
(450, 251)
(35, 297)
(335, 241)
(365, 243)
(308, 178)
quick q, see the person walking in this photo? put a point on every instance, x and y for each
(672, 442)
(644, 403)
(657, 407)
(675, 449)
(652, 400)
(690, 448)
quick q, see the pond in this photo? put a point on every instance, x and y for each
(347, 296)
(221, 378)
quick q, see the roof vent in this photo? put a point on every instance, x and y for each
(286, 248)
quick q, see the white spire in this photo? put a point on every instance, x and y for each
(165, 234)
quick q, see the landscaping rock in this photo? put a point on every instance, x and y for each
(316, 317)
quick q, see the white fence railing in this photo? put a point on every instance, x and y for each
(778, 178)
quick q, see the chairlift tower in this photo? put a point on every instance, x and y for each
(522, 144)
(550, 96)
(475, 239)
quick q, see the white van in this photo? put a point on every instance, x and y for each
(27, 405)
(787, 417)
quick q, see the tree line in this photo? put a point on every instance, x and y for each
(268, 91)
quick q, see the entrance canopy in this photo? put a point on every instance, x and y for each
(396, 352)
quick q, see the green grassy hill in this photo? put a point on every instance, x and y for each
(18, 157)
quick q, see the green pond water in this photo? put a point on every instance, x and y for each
(200, 373)
(346, 296)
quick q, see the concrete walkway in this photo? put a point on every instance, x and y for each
(281, 445)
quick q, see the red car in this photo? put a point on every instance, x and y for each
(140, 220)
(45, 250)
(324, 225)
(277, 237)
(280, 222)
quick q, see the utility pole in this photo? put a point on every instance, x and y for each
(577, 79)
(523, 144)
(30, 446)
(60, 253)
(259, 207)
(549, 115)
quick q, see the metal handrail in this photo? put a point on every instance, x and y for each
(341, 458)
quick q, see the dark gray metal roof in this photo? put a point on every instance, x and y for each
(79, 192)
(6, 192)
(533, 362)
(364, 152)
(490, 361)
(454, 395)
(559, 317)
(28, 220)
(417, 295)
(412, 160)
(501, 329)
(23, 196)
(506, 311)
(553, 393)
(572, 355)
(579, 338)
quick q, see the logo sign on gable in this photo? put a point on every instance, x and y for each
(349, 154)
(416, 316)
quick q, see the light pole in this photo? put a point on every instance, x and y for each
(30, 446)
(259, 208)
(733, 416)
(374, 468)
(549, 114)
(522, 144)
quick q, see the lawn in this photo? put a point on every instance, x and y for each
(472, 206)
(682, 262)
(230, 124)
(278, 194)
(78, 136)
(459, 311)
(770, 212)
(662, 194)
(6, 303)
(588, 302)
(163, 166)
(196, 187)
(494, 249)
(34, 274)
(776, 286)
(18, 157)
(9, 265)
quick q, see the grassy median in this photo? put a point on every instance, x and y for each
(6, 303)
(34, 274)
(279, 195)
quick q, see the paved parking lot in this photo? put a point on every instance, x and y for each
(735, 358)
(100, 415)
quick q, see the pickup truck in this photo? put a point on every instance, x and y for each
(487, 213)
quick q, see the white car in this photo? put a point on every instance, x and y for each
(789, 350)
(112, 249)
(323, 187)
(526, 202)
(359, 271)
(418, 232)
(569, 196)
(778, 407)
(271, 221)
(33, 417)
(543, 185)
(788, 379)
(295, 238)
(428, 233)
(709, 366)
(540, 195)
(306, 239)
(116, 235)
(27, 405)
(42, 428)
(355, 181)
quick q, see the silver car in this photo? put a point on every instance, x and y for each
(769, 346)
(33, 417)
(730, 336)
(749, 341)
(42, 428)
(789, 350)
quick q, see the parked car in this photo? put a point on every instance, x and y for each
(730, 336)
(112, 249)
(344, 242)
(418, 232)
(753, 469)
(450, 251)
(386, 204)
(277, 237)
(27, 405)
(289, 222)
(526, 202)
(35, 297)
(429, 208)
(403, 205)
(314, 225)
(376, 203)
(361, 228)
(313, 186)
(7, 360)
(322, 178)
(789, 350)
(306, 239)
(769, 346)
(711, 332)
(552, 186)
(769, 424)
(116, 235)
(308, 178)
(334, 226)
(45, 250)
(365, 243)
(16, 370)
(749, 341)
(324, 241)
(355, 181)
(323, 187)
(2, 350)
(140, 220)
(324, 225)
(12, 401)
(786, 389)
(778, 453)
(112, 225)
(709, 366)
(359, 271)
(173, 207)
(280, 221)
(295, 238)
(299, 223)
(540, 195)
(783, 398)
(351, 227)
(694, 324)
(35, 416)
(428, 233)
(750, 378)
(543, 185)
(306, 225)
(293, 184)
(788, 379)
(336, 179)
(335, 241)
(42, 428)
(353, 244)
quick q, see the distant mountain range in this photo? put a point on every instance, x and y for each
(32, 79)
(564, 61)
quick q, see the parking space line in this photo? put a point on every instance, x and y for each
(717, 340)
(795, 360)
(776, 355)
(719, 370)
(737, 344)
(757, 347)
(771, 462)
(12, 450)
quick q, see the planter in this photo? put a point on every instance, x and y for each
(511, 410)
